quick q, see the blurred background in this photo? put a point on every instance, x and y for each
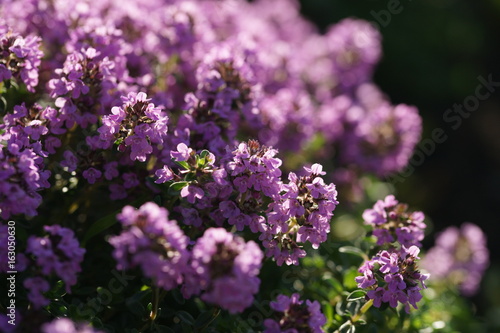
(434, 53)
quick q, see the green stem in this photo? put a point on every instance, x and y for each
(154, 303)
(357, 316)
(362, 311)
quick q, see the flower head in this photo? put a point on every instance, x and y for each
(392, 222)
(293, 315)
(153, 242)
(224, 268)
(392, 276)
(460, 256)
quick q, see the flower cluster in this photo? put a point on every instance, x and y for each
(383, 139)
(255, 175)
(136, 125)
(392, 276)
(153, 242)
(81, 86)
(302, 214)
(293, 315)
(20, 179)
(224, 268)
(460, 256)
(392, 222)
(247, 191)
(224, 99)
(58, 253)
(19, 57)
(354, 47)
(286, 115)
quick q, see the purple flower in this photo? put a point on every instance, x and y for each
(139, 147)
(58, 253)
(293, 315)
(92, 174)
(137, 124)
(70, 161)
(402, 281)
(392, 222)
(382, 139)
(287, 115)
(302, 213)
(19, 57)
(36, 287)
(192, 193)
(226, 95)
(224, 269)
(459, 256)
(164, 175)
(191, 216)
(21, 177)
(110, 170)
(182, 154)
(153, 242)
(355, 47)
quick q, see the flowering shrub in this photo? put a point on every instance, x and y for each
(184, 166)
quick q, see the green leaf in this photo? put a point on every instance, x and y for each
(204, 153)
(99, 226)
(185, 317)
(177, 186)
(339, 308)
(206, 317)
(353, 307)
(349, 278)
(183, 164)
(353, 250)
(360, 322)
(356, 294)
(57, 308)
(335, 284)
(328, 311)
(57, 292)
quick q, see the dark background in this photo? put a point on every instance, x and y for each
(434, 52)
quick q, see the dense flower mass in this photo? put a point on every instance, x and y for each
(60, 254)
(19, 57)
(393, 277)
(224, 268)
(459, 256)
(217, 119)
(293, 315)
(22, 175)
(392, 222)
(153, 242)
(57, 253)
